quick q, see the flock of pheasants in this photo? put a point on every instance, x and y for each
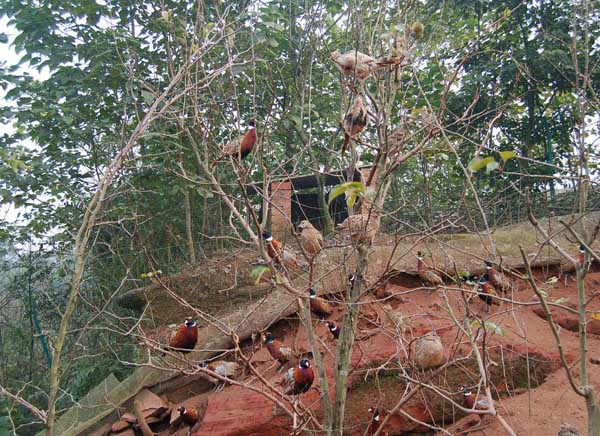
(361, 227)
(299, 378)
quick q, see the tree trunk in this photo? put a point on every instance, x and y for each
(188, 225)
(346, 342)
(593, 412)
(326, 219)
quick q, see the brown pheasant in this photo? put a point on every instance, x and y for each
(361, 227)
(310, 238)
(429, 277)
(355, 121)
(360, 65)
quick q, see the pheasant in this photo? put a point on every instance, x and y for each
(239, 147)
(310, 238)
(189, 416)
(318, 306)
(279, 254)
(487, 293)
(429, 277)
(222, 368)
(568, 430)
(185, 338)
(334, 329)
(361, 227)
(376, 421)
(470, 401)
(277, 352)
(497, 279)
(355, 121)
(569, 267)
(299, 379)
(356, 64)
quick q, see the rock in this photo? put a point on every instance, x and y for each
(128, 432)
(399, 322)
(151, 404)
(102, 431)
(120, 426)
(129, 417)
(429, 351)
(238, 411)
(568, 321)
(462, 425)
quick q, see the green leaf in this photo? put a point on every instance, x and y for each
(257, 272)
(297, 120)
(147, 96)
(491, 167)
(352, 190)
(478, 163)
(507, 155)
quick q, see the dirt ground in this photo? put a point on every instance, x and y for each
(524, 356)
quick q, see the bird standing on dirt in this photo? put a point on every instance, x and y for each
(362, 227)
(496, 278)
(277, 352)
(185, 337)
(279, 254)
(355, 121)
(568, 430)
(334, 329)
(376, 420)
(318, 306)
(359, 65)
(189, 416)
(429, 277)
(310, 238)
(487, 293)
(222, 368)
(239, 147)
(470, 401)
(299, 379)
(569, 267)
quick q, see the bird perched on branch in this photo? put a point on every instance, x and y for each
(497, 279)
(185, 338)
(430, 122)
(277, 352)
(362, 227)
(318, 306)
(239, 147)
(334, 329)
(360, 65)
(310, 238)
(279, 254)
(429, 277)
(376, 420)
(487, 293)
(355, 121)
(222, 368)
(299, 379)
